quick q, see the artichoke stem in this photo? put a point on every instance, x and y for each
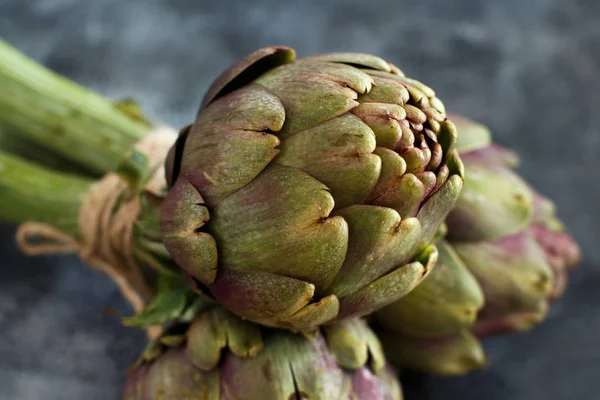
(62, 116)
(30, 192)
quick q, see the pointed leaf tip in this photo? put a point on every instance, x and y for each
(246, 70)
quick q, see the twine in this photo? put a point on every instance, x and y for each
(106, 224)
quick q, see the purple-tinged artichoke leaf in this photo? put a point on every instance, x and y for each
(403, 194)
(384, 119)
(438, 205)
(414, 85)
(246, 70)
(471, 135)
(392, 166)
(216, 330)
(264, 297)
(289, 367)
(411, 85)
(251, 108)
(455, 164)
(385, 90)
(512, 271)
(172, 376)
(416, 159)
(183, 214)
(447, 138)
(313, 315)
(414, 114)
(544, 213)
(353, 344)
(562, 254)
(442, 176)
(225, 150)
(313, 93)
(446, 302)
(495, 202)
(367, 385)
(451, 355)
(388, 288)
(206, 338)
(438, 105)
(437, 154)
(494, 155)
(293, 236)
(338, 153)
(379, 240)
(428, 179)
(515, 322)
(395, 189)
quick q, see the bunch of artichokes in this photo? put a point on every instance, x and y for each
(312, 197)
(311, 192)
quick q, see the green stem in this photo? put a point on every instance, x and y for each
(63, 116)
(30, 192)
(81, 127)
(15, 143)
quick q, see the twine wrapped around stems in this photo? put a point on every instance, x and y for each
(106, 224)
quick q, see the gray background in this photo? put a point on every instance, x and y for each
(528, 68)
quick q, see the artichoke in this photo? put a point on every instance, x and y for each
(220, 356)
(508, 236)
(504, 259)
(429, 329)
(308, 191)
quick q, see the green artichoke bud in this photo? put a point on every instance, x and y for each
(447, 301)
(508, 236)
(454, 354)
(308, 191)
(220, 356)
(504, 260)
(429, 329)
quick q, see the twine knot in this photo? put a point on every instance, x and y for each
(106, 223)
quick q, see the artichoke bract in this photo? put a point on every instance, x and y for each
(219, 356)
(504, 259)
(310, 190)
(430, 328)
(508, 236)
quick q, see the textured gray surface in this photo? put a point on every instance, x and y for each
(528, 69)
